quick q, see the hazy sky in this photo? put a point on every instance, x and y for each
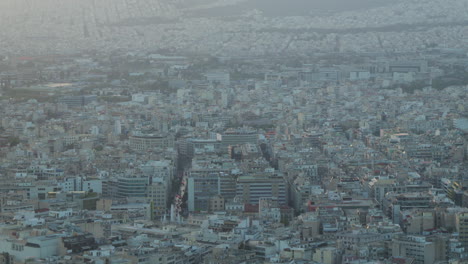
(270, 7)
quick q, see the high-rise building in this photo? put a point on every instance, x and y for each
(202, 186)
(157, 194)
(140, 141)
(205, 185)
(78, 100)
(132, 187)
(239, 137)
(227, 186)
(462, 228)
(263, 185)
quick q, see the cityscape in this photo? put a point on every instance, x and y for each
(234, 131)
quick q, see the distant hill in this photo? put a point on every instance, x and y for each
(70, 12)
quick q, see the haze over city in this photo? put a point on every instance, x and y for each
(234, 131)
(252, 27)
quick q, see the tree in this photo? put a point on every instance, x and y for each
(13, 141)
(99, 148)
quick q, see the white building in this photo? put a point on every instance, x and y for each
(117, 127)
(33, 247)
(359, 75)
(223, 78)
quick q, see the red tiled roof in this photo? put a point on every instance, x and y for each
(251, 208)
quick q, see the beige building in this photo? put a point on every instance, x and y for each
(415, 223)
(216, 203)
(103, 205)
(101, 229)
(310, 229)
(157, 194)
(424, 250)
(327, 255)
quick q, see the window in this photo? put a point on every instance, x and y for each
(17, 247)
